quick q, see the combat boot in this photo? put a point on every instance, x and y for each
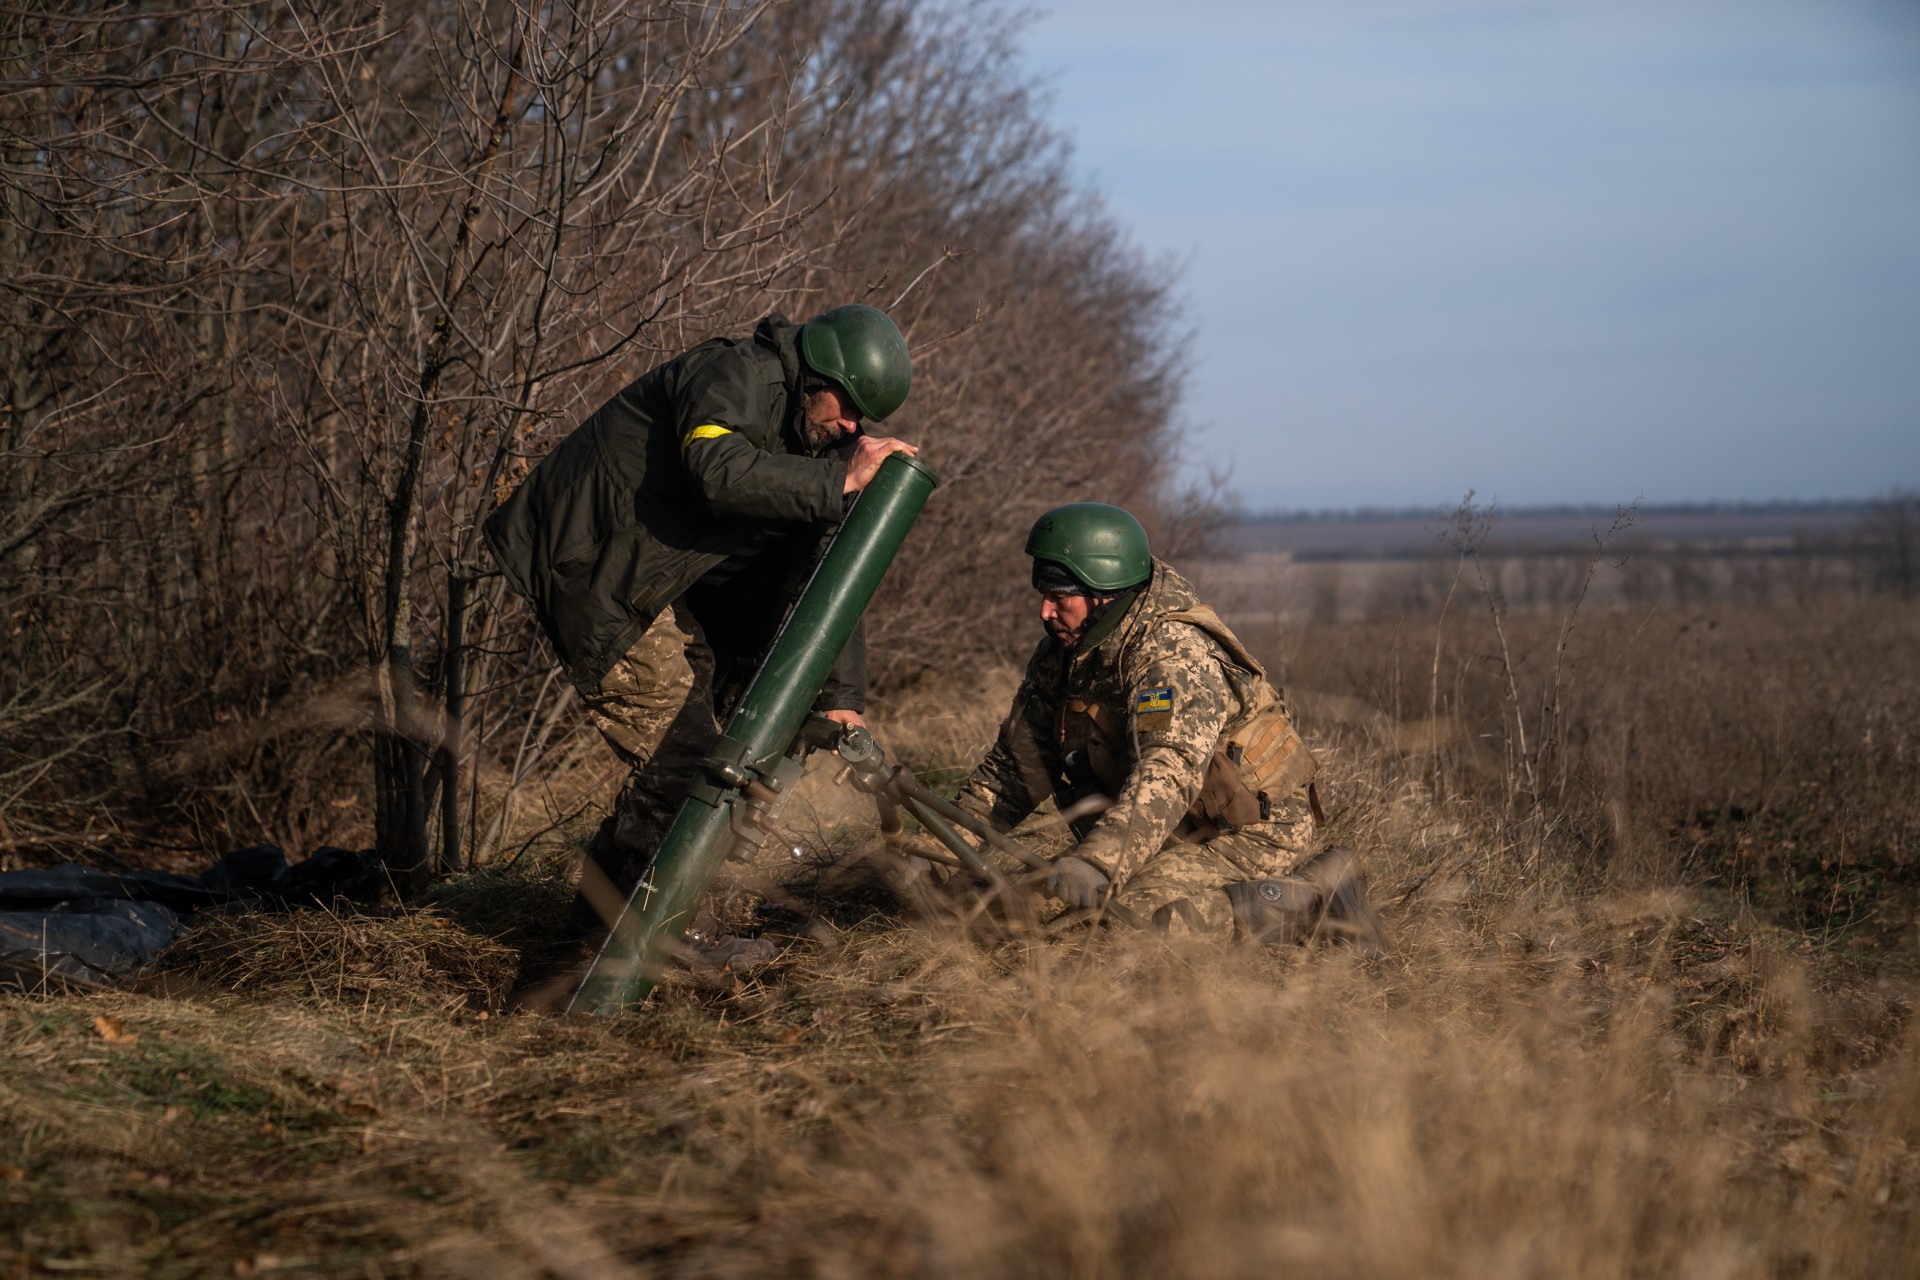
(1324, 897)
(706, 946)
(607, 876)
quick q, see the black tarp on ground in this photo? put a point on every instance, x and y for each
(73, 925)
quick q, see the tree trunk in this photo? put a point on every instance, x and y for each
(447, 763)
(399, 755)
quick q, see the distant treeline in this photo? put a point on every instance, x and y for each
(1841, 508)
(1758, 553)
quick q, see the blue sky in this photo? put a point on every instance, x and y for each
(1552, 250)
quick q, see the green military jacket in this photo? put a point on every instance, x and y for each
(1135, 717)
(702, 459)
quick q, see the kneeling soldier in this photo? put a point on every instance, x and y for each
(1158, 737)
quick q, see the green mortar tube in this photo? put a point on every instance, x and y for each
(750, 768)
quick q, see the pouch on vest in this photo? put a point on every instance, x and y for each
(1096, 757)
(1261, 764)
(1271, 756)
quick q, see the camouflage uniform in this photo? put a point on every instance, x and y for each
(654, 707)
(1164, 714)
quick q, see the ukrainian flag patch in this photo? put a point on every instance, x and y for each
(1152, 710)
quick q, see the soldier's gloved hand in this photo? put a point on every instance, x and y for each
(1077, 883)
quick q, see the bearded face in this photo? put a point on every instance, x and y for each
(828, 418)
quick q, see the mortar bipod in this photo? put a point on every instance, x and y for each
(894, 787)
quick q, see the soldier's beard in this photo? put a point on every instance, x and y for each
(823, 433)
(820, 435)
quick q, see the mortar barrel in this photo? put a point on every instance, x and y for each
(796, 667)
(762, 729)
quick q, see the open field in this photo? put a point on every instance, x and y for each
(1650, 1012)
(1774, 528)
(1279, 588)
(1338, 568)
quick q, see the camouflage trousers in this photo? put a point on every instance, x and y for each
(1199, 873)
(655, 709)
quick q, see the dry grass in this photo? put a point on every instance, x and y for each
(1599, 1066)
(357, 961)
(1770, 753)
(1631, 1087)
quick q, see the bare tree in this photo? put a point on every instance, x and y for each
(295, 293)
(1888, 540)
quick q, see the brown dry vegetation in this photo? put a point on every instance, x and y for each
(292, 294)
(292, 291)
(1648, 1014)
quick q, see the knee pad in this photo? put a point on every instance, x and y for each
(1273, 912)
(1324, 897)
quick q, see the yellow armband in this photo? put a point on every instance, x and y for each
(710, 431)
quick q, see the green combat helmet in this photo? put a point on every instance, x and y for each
(1103, 546)
(859, 349)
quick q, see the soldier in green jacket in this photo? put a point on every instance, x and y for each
(661, 542)
(1158, 737)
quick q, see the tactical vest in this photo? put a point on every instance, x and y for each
(1259, 762)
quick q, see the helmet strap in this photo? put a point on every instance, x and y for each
(1105, 618)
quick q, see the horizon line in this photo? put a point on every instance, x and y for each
(1770, 506)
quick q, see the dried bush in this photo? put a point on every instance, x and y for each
(293, 294)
